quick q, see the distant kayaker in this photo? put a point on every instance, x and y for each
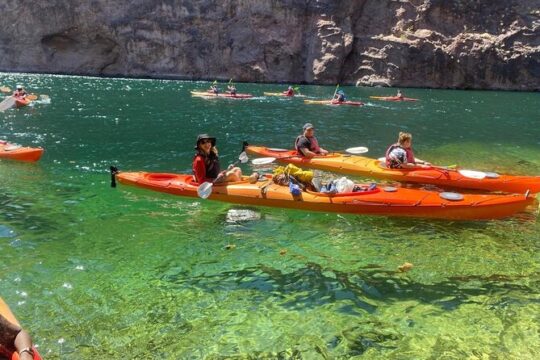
(206, 163)
(307, 144)
(214, 89)
(399, 94)
(401, 155)
(231, 89)
(289, 91)
(20, 92)
(340, 96)
(14, 338)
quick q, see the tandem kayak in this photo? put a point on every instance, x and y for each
(282, 94)
(392, 98)
(6, 313)
(385, 201)
(19, 153)
(206, 94)
(363, 166)
(334, 102)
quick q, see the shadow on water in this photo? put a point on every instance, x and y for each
(314, 286)
(359, 294)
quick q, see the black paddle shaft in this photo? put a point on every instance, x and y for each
(114, 171)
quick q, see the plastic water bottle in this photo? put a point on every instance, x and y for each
(294, 189)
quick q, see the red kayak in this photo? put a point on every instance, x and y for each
(207, 94)
(392, 98)
(334, 102)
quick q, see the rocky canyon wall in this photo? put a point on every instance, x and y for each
(473, 44)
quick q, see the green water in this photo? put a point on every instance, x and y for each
(96, 273)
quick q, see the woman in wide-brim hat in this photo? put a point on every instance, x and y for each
(206, 165)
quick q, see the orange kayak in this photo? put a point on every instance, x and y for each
(363, 166)
(19, 153)
(386, 201)
(6, 312)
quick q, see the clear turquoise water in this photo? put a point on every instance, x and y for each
(96, 272)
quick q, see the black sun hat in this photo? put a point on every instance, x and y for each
(203, 137)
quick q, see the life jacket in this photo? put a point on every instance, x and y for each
(313, 145)
(18, 93)
(395, 164)
(289, 92)
(341, 98)
(211, 164)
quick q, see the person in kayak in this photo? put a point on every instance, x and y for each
(214, 89)
(20, 92)
(399, 94)
(231, 89)
(14, 338)
(307, 144)
(206, 163)
(340, 96)
(289, 91)
(401, 156)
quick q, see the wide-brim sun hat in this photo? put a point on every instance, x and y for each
(308, 126)
(201, 137)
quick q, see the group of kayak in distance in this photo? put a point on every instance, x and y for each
(339, 97)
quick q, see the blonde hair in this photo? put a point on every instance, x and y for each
(404, 136)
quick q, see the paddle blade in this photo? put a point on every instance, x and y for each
(357, 150)
(8, 103)
(205, 190)
(243, 158)
(32, 97)
(263, 161)
(473, 174)
(5, 89)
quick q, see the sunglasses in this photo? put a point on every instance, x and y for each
(205, 141)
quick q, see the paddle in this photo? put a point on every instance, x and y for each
(205, 189)
(335, 92)
(269, 160)
(5, 89)
(7, 103)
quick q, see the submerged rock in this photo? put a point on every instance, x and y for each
(236, 215)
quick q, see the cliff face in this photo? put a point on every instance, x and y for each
(480, 44)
